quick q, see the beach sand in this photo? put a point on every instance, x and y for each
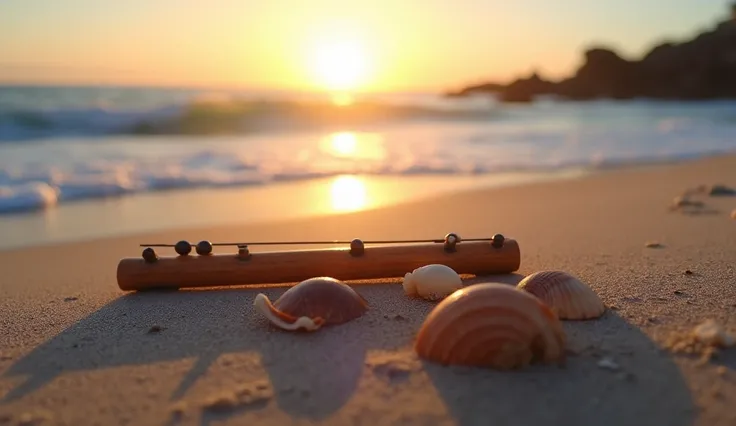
(76, 350)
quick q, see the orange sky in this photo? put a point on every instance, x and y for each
(377, 45)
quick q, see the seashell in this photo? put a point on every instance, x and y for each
(568, 297)
(311, 304)
(491, 325)
(432, 282)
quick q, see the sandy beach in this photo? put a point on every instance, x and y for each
(75, 350)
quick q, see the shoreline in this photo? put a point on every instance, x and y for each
(60, 225)
(260, 204)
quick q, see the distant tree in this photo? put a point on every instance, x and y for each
(733, 10)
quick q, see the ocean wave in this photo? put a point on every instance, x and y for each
(213, 116)
(422, 138)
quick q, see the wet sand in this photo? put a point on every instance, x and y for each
(76, 350)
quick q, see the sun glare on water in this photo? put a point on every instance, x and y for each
(344, 144)
(348, 193)
(354, 146)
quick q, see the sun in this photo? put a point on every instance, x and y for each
(339, 65)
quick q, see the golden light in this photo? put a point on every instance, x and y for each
(348, 193)
(366, 146)
(344, 143)
(342, 99)
(339, 65)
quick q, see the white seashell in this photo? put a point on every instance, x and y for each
(432, 282)
(568, 297)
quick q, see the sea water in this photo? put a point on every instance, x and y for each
(67, 146)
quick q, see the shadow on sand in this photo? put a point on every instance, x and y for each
(645, 387)
(314, 374)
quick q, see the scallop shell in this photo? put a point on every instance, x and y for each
(491, 325)
(432, 282)
(311, 304)
(568, 297)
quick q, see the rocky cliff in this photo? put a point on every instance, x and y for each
(701, 68)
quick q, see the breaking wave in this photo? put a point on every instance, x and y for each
(220, 116)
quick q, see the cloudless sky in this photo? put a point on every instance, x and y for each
(404, 44)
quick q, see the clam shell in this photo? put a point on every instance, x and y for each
(491, 325)
(568, 297)
(432, 282)
(313, 303)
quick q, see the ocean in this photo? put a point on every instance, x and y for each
(77, 152)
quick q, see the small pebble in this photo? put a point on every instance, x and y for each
(608, 364)
(678, 292)
(653, 244)
(397, 317)
(155, 329)
(716, 190)
(688, 272)
(70, 299)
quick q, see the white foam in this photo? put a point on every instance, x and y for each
(27, 196)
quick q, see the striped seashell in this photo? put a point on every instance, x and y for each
(432, 282)
(569, 298)
(311, 304)
(491, 325)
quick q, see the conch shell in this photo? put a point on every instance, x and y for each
(491, 325)
(432, 282)
(568, 297)
(311, 304)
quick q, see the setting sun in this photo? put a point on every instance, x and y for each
(340, 65)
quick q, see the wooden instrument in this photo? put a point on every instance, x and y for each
(387, 259)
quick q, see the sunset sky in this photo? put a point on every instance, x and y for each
(376, 45)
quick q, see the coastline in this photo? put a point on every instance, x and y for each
(248, 205)
(71, 336)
